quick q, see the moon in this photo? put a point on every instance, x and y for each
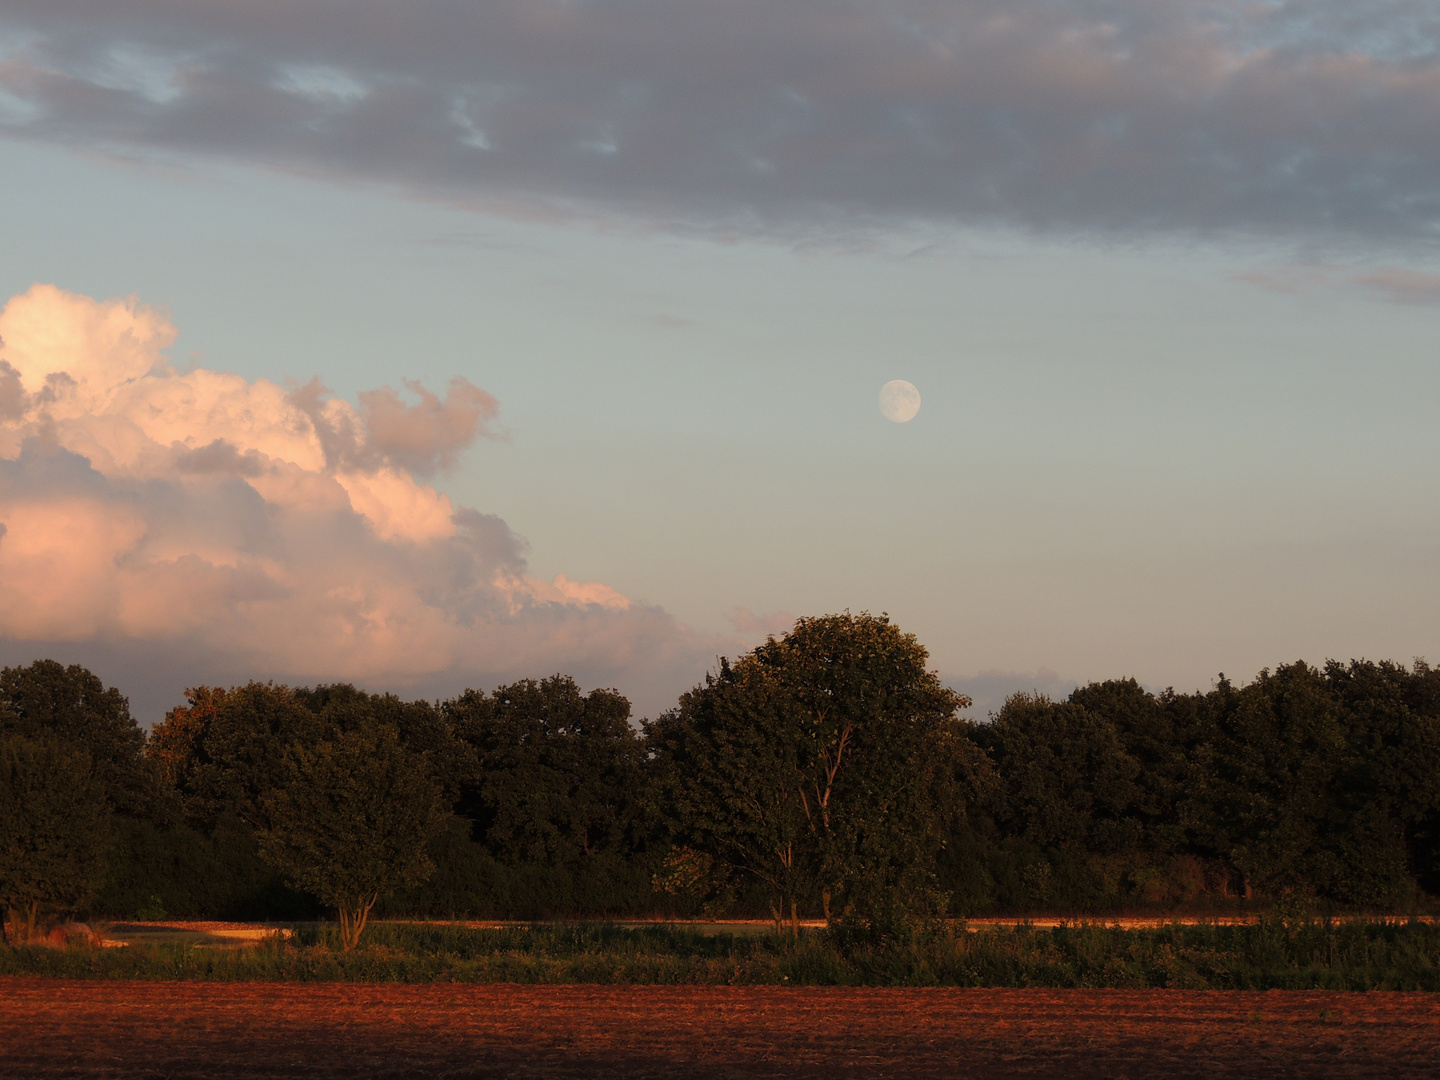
(899, 401)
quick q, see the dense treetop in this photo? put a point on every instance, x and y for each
(827, 771)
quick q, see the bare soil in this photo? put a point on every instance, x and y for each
(65, 1028)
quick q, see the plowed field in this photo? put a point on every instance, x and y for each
(53, 1028)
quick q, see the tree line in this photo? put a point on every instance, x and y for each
(826, 773)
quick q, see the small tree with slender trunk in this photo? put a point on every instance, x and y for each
(54, 830)
(351, 820)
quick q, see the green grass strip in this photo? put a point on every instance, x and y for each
(1353, 955)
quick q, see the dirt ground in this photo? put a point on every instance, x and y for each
(62, 1028)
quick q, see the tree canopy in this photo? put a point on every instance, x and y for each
(350, 820)
(826, 772)
(812, 763)
(46, 700)
(54, 828)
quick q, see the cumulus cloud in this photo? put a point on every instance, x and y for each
(418, 438)
(429, 435)
(1281, 116)
(236, 525)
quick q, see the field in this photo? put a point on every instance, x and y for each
(1340, 956)
(223, 1001)
(103, 1029)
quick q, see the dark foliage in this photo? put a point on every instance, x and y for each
(1308, 783)
(349, 820)
(555, 799)
(54, 830)
(825, 772)
(49, 701)
(819, 764)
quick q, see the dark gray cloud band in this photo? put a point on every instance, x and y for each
(1104, 115)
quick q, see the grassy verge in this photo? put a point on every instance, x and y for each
(1352, 955)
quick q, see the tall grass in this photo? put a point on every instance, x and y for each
(1352, 955)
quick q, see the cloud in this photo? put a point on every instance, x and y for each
(260, 532)
(1290, 280)
(1284, 117)
(1408, 286)
(385, 431)
(1398, 284)
(428, 436)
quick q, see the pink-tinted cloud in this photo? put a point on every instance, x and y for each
(420, 438)
(430, 435)
(1392, 283)
(1408, 286)
(148, 508)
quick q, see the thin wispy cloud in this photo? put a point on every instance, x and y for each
(1399, 284)
(1407, 286)
(1287, 280)
(1089, 115)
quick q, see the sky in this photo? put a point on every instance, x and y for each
(440, 344)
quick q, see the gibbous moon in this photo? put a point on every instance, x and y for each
(899, 400)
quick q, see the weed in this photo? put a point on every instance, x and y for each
(1353, 955)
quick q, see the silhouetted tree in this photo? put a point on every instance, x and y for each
(46, 700)
(559, 772)
(240, 755)
(1271, 763)
(730, 769)
(422, 726)
(1068, 793)
(1387, 787)
(176, 743)
(54, 828)
(556, 797)
(350, 821)
(813, 763)
(1159, 733)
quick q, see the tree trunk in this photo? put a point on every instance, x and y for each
(794, 920)
(353, 918)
